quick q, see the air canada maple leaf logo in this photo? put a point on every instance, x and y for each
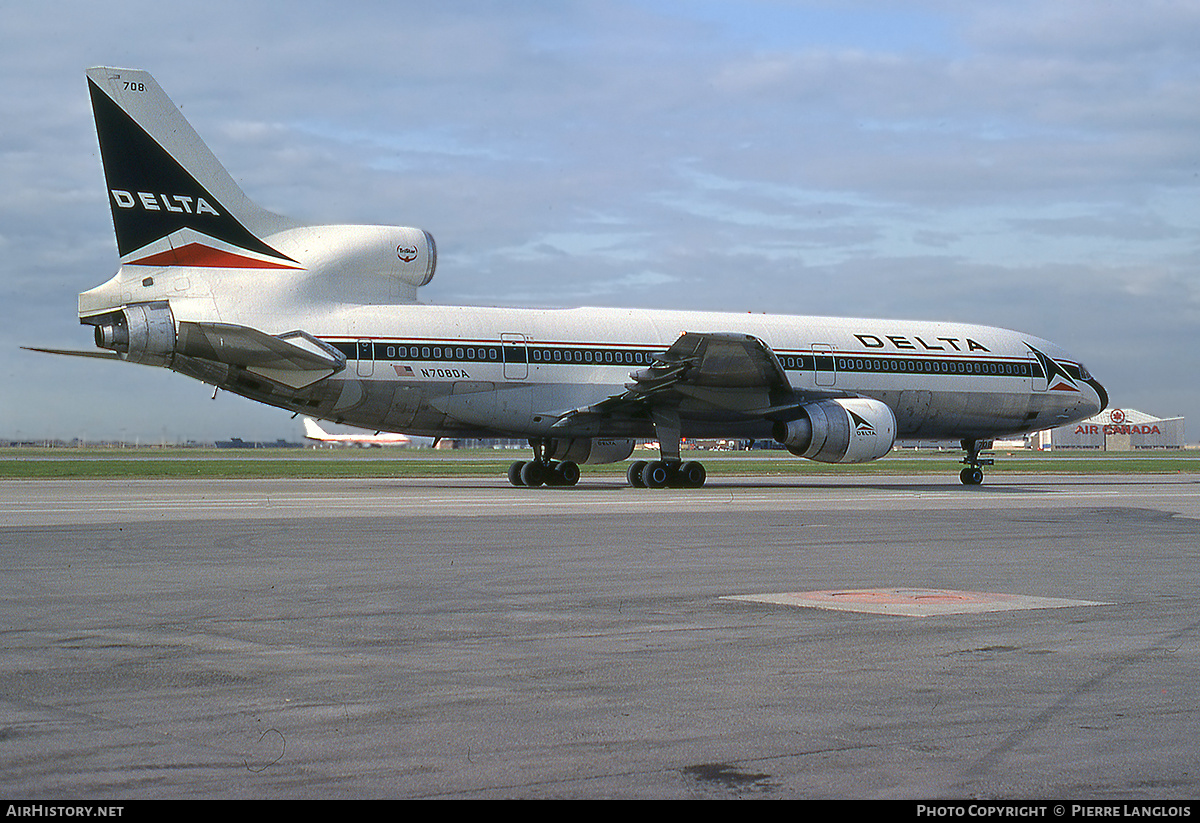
(1057, 378)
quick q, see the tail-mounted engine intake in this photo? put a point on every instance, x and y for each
(142, 332)
(845, 430)
(591, 450)
(407, 255)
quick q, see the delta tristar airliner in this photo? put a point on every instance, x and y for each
(324, 321)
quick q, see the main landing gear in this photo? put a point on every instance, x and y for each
(661, 474)
(542, 471)
(667, 472)
(670, 471)
(972, 475)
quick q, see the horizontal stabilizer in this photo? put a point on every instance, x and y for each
(295, 359)
(102, 354)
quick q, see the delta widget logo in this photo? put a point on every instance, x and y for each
(1057, 378)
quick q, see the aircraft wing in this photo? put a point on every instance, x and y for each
(711, 373)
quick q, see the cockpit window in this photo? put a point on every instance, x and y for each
(1084, 374)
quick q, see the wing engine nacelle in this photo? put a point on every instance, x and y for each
(592, 450)
(845, 430)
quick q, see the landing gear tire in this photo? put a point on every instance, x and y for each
(692, 475)
(634, 474)
(656, 475)
(971, 476)
(565, 473)
(514, 473)
(533, 474)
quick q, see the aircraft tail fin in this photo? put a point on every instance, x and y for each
(172, 201)
(313, 431)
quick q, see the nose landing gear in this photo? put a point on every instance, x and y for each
(972, 475)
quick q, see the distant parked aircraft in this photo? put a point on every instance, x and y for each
(314, 432)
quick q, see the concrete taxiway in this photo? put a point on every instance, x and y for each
(460, 638)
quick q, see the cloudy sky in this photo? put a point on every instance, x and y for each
(1032, 165)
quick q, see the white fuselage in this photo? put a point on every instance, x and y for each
(446, 370)
(513, 371)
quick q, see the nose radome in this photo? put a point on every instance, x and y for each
(1101, 395)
